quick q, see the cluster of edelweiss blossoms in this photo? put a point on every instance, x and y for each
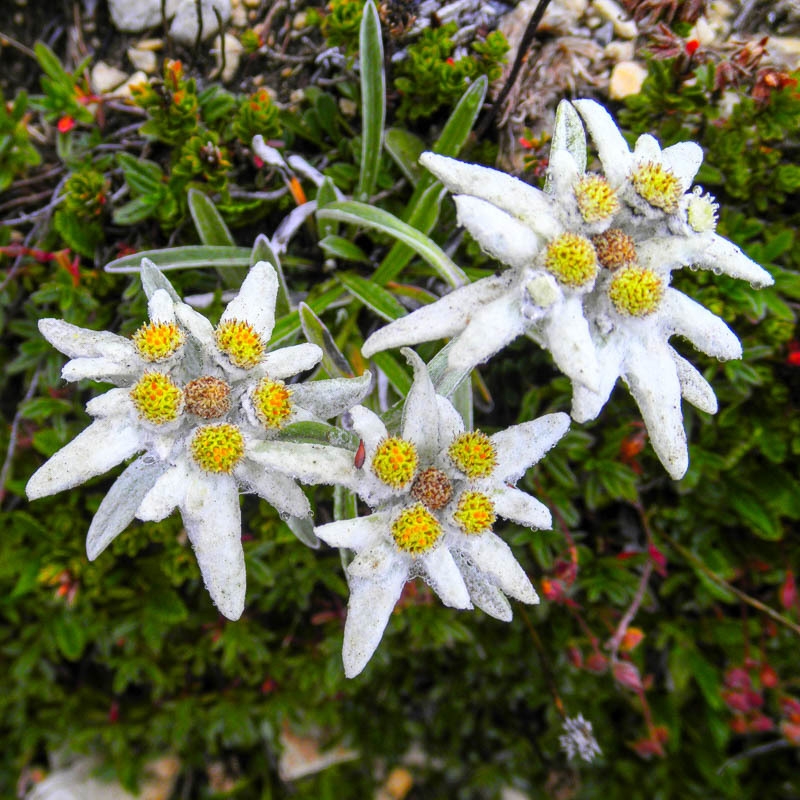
(206, 408)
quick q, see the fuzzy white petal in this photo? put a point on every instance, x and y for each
(289, 361)
(255, 302)
(495, 559)
(213, 523)
(355, 534)
(441, 572)
(706, 331)
(330, 398)
(446, 317)
(105, 370)
(522, 445)
(520, 507)
(114, 402)
(489, 331)
(309, 463)
(483, 593)
(562, 172)
(78, 342)
(684, 159)
(166, 494)
(726, 256)
(420, 419)
(653, 380)
(118, 508)
(499, 234)
(197, 325)
(368, 612)
(450, 422)
(103, 445)
(694, 387)
(374, 562)
(518, 198)
(586, 404)
(611, 145)
(566, 332)
(161, 307)
(279, 490)
(370, 429)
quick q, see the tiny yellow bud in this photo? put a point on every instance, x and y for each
(416, 530)
(240, 342)
(395, 462)
(157, 398)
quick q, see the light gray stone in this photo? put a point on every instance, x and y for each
(184, 26)
(134, 16)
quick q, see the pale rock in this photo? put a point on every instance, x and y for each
(184, 26)
(623, 27)
(233, 56)
(138, 77)
(786, 49)
(348, 107)
(561, 15)
(76, 783)
(145, 60)
(619, 51)
(627, 78)
(104, 77)
(703, 32)
(238, 14)
(300, 21)
(134, 16)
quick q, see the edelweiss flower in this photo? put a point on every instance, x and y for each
(590, 264)
(436, 490)
(194, 400)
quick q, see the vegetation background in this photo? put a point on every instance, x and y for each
(126, 658)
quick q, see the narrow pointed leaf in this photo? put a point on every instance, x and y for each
(188, 257)
(262, 251)
(380, 220)
(333, 361)
(405, 148)
(373, 99)
(339, 247)
(372, 295)
(326, 194)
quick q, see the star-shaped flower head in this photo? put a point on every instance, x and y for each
(436, 491)
(193, 400)
(544, 237)
(632, 310)
(591, 260)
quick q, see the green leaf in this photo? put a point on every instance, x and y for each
(287, 326)
(326, 194)
(373, 100)
(380, 220)
(51, 66)
(211, 228)
(396, 373)
(423, 217)
(340, 247)
(405, 148)
(68, 631)
(333, 361)
(458, 127)
(373, 296)
(136, 210)
(758, 518)
(143, 176)
(188, 257)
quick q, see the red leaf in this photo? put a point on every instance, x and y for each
(788, 592)
(626, 674)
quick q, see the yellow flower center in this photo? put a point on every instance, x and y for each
(157, 341)
(475, 513)
(395, 462)
(272, 402)
(432, 488)
(701, 213)
(240, 342)
(636, 292)
(614, 249)
(596, 199)
(217, 448)
(207, 397)
(157, 398)
(571, 259)
(416, 530)
(658, 185)
(474, 454)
